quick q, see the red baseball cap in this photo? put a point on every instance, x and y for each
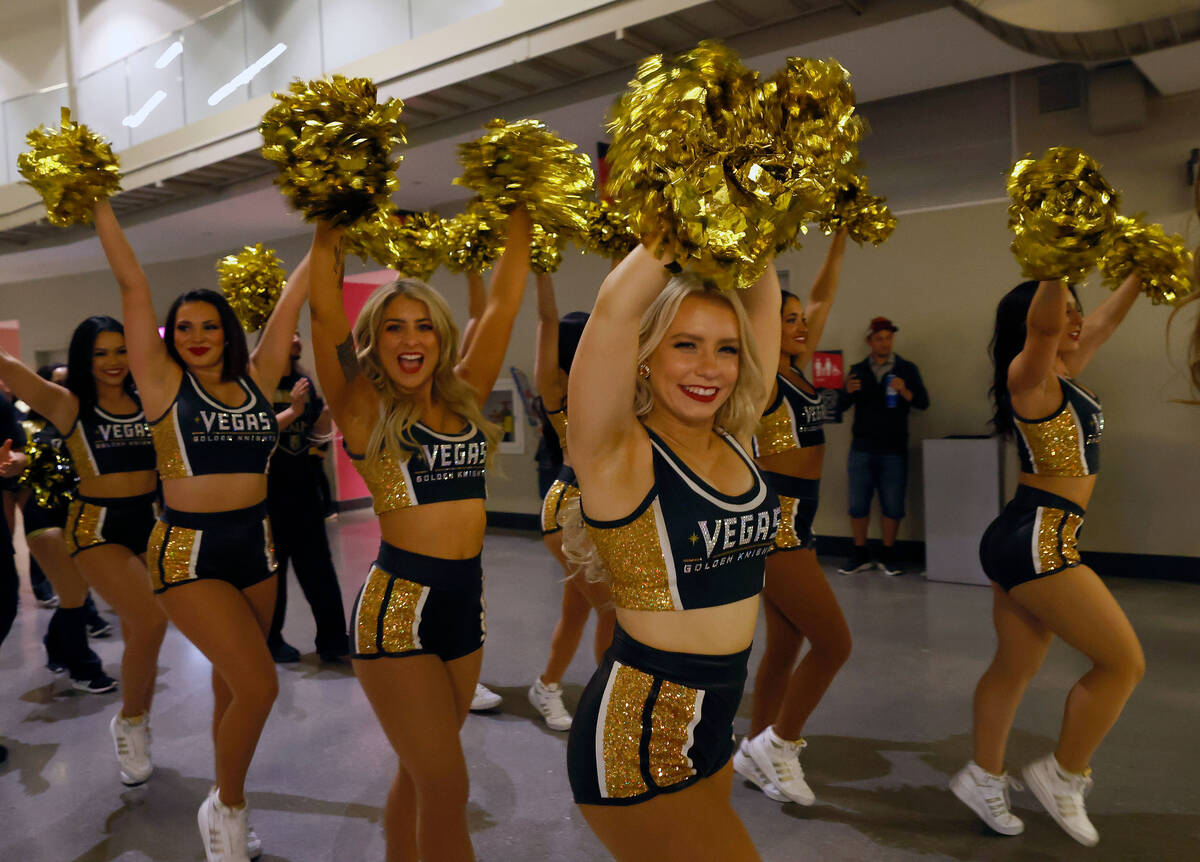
(879, 324)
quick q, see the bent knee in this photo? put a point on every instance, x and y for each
(448, 785)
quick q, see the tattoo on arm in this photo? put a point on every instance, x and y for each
(339, 263)
(348, 359)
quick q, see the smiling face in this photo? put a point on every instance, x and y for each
(199, 336)
(407, 344)
(793, 333)
(1069, 341)
(110, 364)
(695, 367)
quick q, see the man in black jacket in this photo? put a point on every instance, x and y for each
(883, 388)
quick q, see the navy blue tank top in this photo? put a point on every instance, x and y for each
(687, 545)
(101, 443)
(200, 436)
(794, 420)
(1067, 442)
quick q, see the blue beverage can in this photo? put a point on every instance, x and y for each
(890, 396)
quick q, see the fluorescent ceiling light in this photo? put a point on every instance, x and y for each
(173, 51)
(135, 120)
(244, 76)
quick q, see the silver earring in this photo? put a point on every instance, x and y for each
(644, 370)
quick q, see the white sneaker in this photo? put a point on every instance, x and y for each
(223, 830)
(1061, 794)
(547, 699)
(779, 759)
(744, 765)
(484, 698)
(987, 796)
(253, 842)
(132, 741)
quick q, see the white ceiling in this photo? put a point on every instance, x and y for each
(1172, 70)
(923, 51)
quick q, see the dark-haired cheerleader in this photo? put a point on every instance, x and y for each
(1041, 343)
(210, 554)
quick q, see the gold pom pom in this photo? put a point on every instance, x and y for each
(525, 164)
(1163, 262)
(865, 216)
(474, 238)
(1062, 214)
(545, 250)
(50, 475)
(413, 244)
(72, 168)
(333, 143)
(251, 280)
(608, 232)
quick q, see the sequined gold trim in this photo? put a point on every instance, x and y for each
(776, 432)
(370, 604)
(171, 463)
(402, 616)
(386, 480)
(1070, 539)
(787, 538)
(83, 526)
(672, 722)
(623, 732)
(1055, 444)
(550, 506)
(634, 557)
(174, 565)
(81, 455)
(558, 421)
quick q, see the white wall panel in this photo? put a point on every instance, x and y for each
(112, 29)
(297, 24)
(214, 52)
(146, 79)
(103, 100)
(429, 15)
(352, 29)
(21, 115)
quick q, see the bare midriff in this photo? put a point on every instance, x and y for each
(219, 492)
(802, 463)
(1077, 489)
(116, 485)
(718, 630)
(452, 530)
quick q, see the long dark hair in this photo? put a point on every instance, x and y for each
(570, 330)
(80, 378)
(236, 357)
(1008, 340)
(784, 296)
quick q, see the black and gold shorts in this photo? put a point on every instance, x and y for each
(413, 604)
(39, 518)
(1034, 537)
(652, 722)
(798, 500)
(564, 489)
(234, 546)
(96, 521)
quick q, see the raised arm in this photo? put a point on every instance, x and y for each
(549, 379)
(1033, 368)
(761, 301)
(350, 396)
(481, 361)
(602, 381)
(1099, 325)
(824, 289)
(54, 402)
(156, 374)
(272, 355)
(476, 302)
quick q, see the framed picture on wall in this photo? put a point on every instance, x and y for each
(504, 407)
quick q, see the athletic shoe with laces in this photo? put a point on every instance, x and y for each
(1061, 794)
(860, 561)
(56, 667)
(253, 842)
(987, 795)
(223, 830)
(484, 698)
(779, 759)
(96, 685)
(50, 601)
(744, 765)
(888, 564)
(132, 742)
(547, 700)
(98, 627)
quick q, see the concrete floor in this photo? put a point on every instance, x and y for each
(892, 729)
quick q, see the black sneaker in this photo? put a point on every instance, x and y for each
(860, 561)
(3, 755)
(284, 653)
(96, 685)
(55, 667)
(888, 564)
(98, 627)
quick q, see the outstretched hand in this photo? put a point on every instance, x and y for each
(299, 394)
(11, 463)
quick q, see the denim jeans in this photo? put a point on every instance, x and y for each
(871, 472)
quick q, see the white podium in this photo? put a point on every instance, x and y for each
(962, 496)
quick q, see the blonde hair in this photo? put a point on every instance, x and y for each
(399, 412)
(738, 416)
(741, 411)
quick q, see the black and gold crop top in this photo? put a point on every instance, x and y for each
(445, 467)
(794, 420)
(558, 421)
(1067, 442)
(687, 545)
(101, 443)
(200, 436)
